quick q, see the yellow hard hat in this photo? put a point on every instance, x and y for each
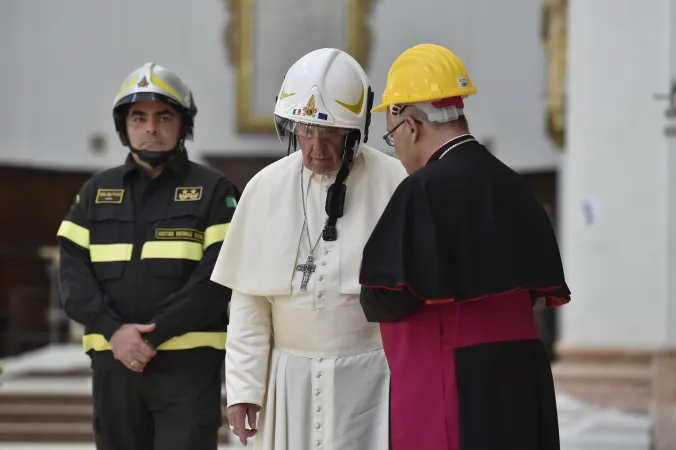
(424, 73)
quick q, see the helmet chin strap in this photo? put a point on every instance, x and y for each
(156, 159)
(335, 198)
(293, 144)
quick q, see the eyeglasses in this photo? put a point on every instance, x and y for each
(396, 110)
(389, 138)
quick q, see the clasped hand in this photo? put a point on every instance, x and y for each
(130, 348)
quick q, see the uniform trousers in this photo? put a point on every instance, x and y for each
(176, 409)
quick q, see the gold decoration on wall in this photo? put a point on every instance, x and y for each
(554, 36)
(239, 39)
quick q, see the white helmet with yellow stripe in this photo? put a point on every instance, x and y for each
(325, 89)
(150, 83)
(327, 93)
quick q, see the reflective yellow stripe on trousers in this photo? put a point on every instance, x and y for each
(186, 341)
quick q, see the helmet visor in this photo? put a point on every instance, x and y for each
(308, 130)
(148, 97)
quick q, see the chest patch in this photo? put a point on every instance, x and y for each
(183, 234)
(114, 196)
(188, 194)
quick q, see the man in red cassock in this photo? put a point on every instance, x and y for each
(452, 271)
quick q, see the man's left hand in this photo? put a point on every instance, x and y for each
(130, 348)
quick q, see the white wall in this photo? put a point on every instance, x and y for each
(617, 158)
(63, 62)
(499, 41)
(669, 318)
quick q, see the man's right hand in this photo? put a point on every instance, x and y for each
(237, 417)
(129, 347)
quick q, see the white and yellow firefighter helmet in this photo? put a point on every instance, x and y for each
(325, 91)
(154, 83)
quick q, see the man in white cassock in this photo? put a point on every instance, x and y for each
(299, 349)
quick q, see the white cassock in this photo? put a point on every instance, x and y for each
(309, 358)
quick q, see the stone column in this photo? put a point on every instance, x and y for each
(618, 234)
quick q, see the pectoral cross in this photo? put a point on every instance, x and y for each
(308, 268)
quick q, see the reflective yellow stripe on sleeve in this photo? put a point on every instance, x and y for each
(75, 233)
(172, 250)
(110, 252)
(186, 341)
(214, 234)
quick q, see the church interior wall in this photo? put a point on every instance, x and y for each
(64, 61)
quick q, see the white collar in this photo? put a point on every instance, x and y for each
(456, 144)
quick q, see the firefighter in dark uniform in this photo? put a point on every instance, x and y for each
(137, 249)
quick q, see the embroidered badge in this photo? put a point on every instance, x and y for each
(182, 234)
(310, 109)
(231, 201)
(188, 194)
(111, 196)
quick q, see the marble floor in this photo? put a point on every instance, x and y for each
(582, 426)
(4, 446)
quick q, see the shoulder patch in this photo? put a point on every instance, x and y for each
(114, 196)
(188, 194)
(179, 234)
(231, 201)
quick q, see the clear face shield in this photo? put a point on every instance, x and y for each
(335, 198)
(294, 129)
